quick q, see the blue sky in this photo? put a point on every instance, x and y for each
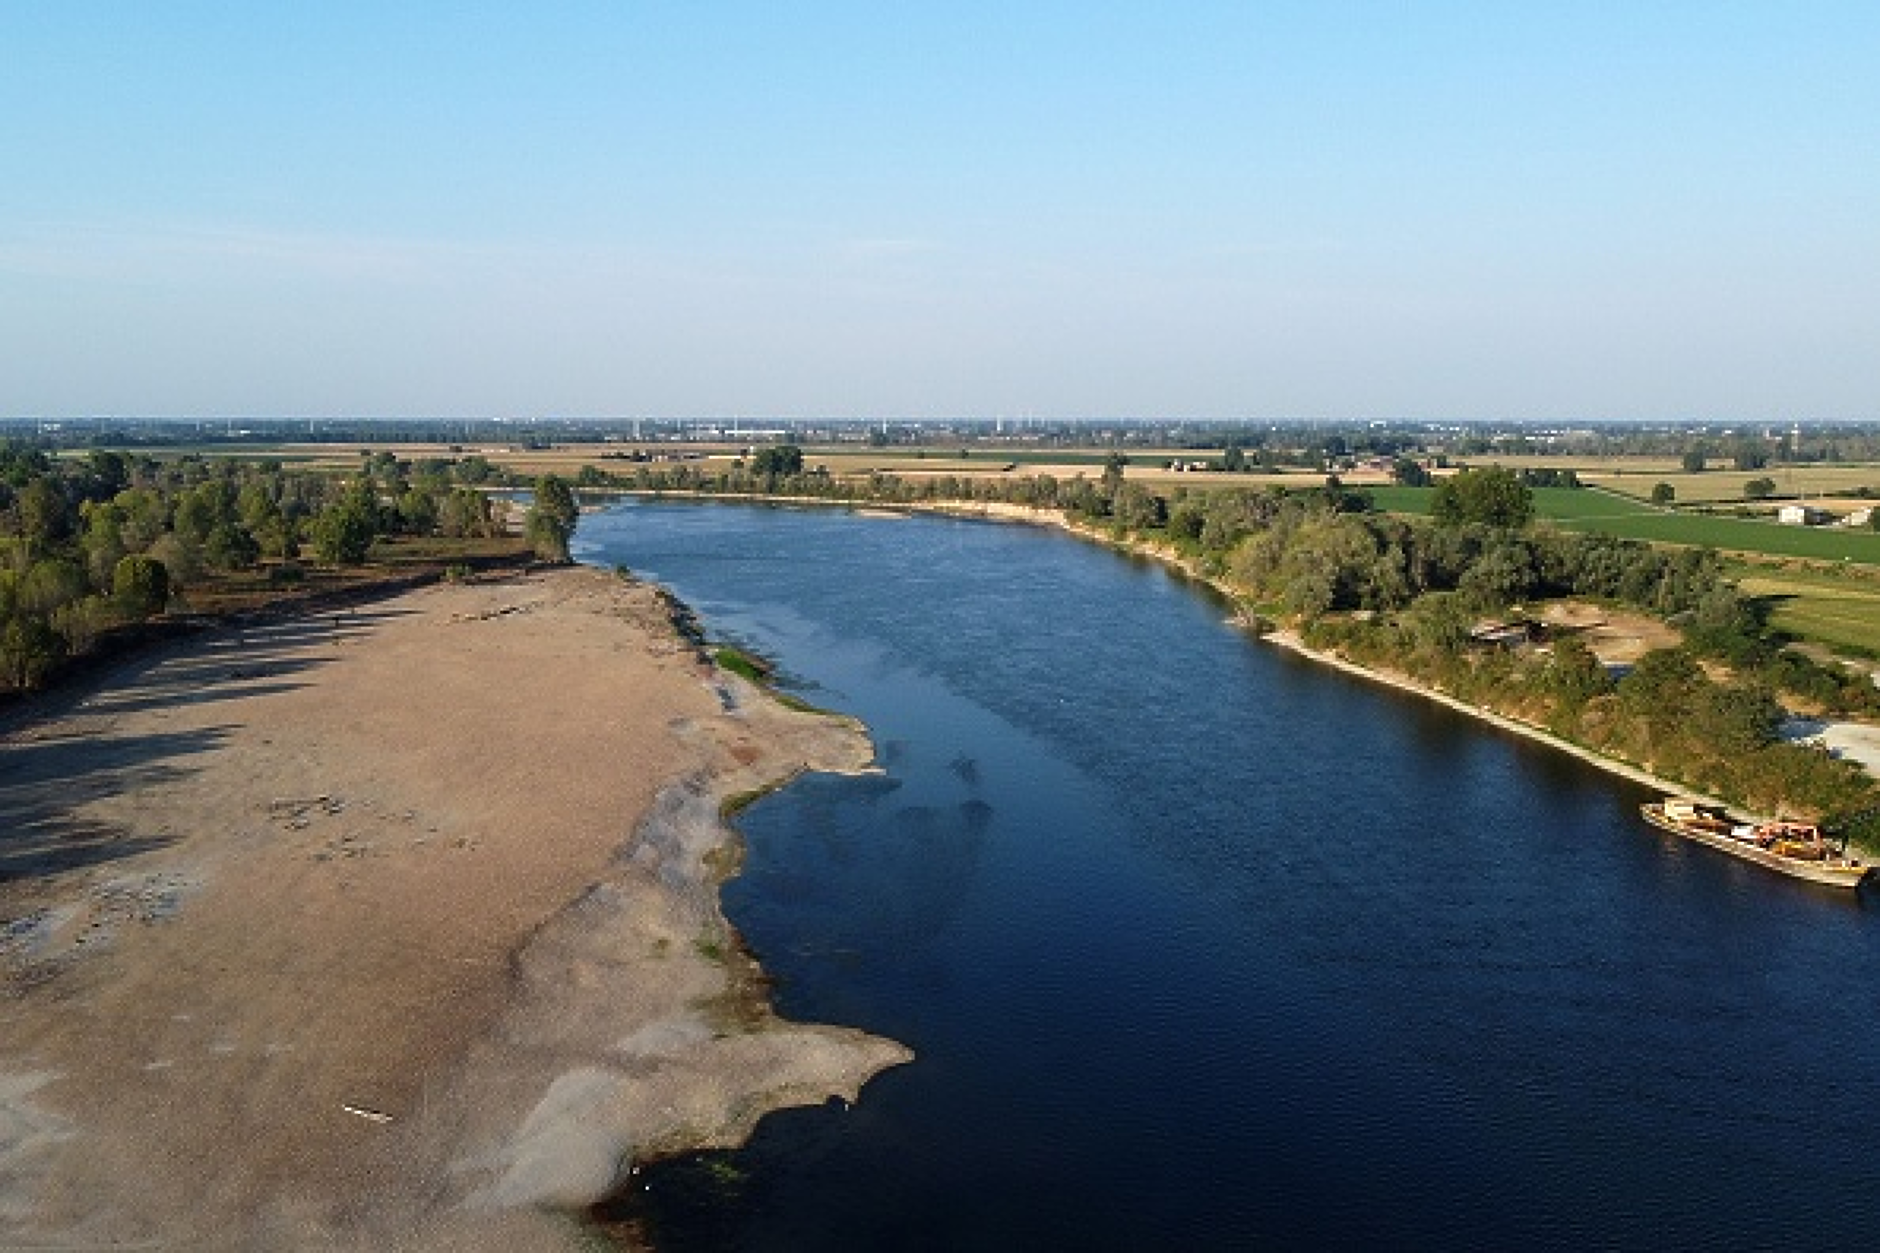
(1328, 210)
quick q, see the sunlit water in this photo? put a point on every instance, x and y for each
(1202, 946)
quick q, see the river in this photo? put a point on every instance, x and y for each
(1200, 945)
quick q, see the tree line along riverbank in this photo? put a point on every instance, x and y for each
(99, 553)
(1455, 603)
(1450, 601)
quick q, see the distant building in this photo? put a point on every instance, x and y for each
(1803, 515)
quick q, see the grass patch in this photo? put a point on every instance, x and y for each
(1738, 535)
(761, 672)
(1554, 504)
(1838, 607)
(732, 806)
(742, 664)
(1606, 513)
(1396, 498)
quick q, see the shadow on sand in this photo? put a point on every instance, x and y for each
(47, 777)
(42, 784)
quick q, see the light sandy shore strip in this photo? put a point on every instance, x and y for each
(391, 928)
(1291, 641)
(1858, 742)
(998, 511)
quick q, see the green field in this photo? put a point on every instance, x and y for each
(1556, 504)
(1839, 607)
(1740, 535)
(1593, 510)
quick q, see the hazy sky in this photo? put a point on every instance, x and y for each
(1633, 209)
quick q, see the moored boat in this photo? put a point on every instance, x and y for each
(1793, 848)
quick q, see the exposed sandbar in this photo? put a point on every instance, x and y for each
(392, 926)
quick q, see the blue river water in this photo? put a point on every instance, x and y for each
(1202, 946)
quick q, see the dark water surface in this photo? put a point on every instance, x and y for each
(1203, 946)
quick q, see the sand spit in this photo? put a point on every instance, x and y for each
(395, 927)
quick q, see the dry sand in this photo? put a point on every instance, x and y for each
(390, 928)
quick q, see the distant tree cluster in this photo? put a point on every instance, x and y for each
(91, 544)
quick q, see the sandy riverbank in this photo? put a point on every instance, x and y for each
(388, 928)
(1855, 741)
(1290, 640)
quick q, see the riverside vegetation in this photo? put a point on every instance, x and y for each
(93, 548)
(1412, 594)
(90, 545)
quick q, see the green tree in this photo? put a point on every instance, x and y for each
(552, 517)
(775, 461)
(231, 547)
(1501, 575)
(140, 587)
(204, 508)
(1661, 683)
(1437, 622)
(1663, 493)
(29, 649)
(257, 507)
(106, 473)
(1574, 675)
(417, 511)
(1759, 489)
(1136, 508)
(50, 584)
(45, 514)
(1186, 518)
(1694, 461)
(343, 532)
(1490, 496)
(101, 538)
(143, 516)
(465, 512)
(81, 622)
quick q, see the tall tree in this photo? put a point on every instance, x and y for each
(343, 532)
(1490, 496)
(552, 518)
(140, 586)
